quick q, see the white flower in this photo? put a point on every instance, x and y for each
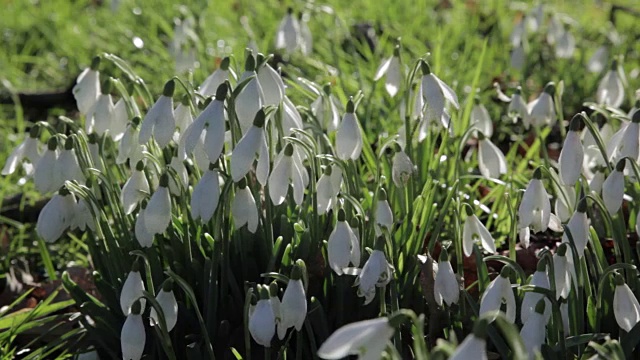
(563, 268)
(83, 218)
(271, 83)
(524, 235)
(251, 98)
(132, 336)
(143, 235)
(572, 154)
(68, 167)
(367, 339)
(132, 290)
(119, 119)
(129, 146)
(286, 171)
(44, 175)
(384, 214)
(392, 68)
(611, 90)
(182, 174)
(435, 92)
(491, 160)
(535, 208)
(87, 87)
(253, 143)
(534, 330)
(100, 117)
(326, 109)
(293, 308)
(598, 60)
(28, 149)
(376, 272)
(541, 110)
(518, 108)
(291, 119)
(349, 135)
(213, 81)
(325, 192)
(168, 304)
(183, 116)
(288, 36)
(578, 226)
(206, 195)
(157, 215)
(596, 182)
(625, 305)
(446, 287)
(262, 322)
(474, 345)
(539, 279)
(135, 189)
(401, 168)
(305, 34)
(613, 189)
(160, 119)
(211, 122)
(343, 247)
(628, 144)
(481, 120)
(56, 216)
(499, 291)
(475, 230)
(244, 208)
(565, 46)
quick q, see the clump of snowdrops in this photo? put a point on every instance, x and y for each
(253, 214)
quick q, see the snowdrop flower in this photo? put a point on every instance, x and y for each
(132, 336)
(596, 181)
(518, 107)
(499, 291)
(175, 186)
(613, 188)
(87, 87)
(286, 171)
(135, 189)
(244, 208)
(132, 290)
(480, 119)
(206, 195)
(598, 60)
(157, 215)
(168, 304)
(474, 230)
(524, 235)
(367, 339)
(325, 108)
(625, 305)
(629, 143)
(572, 154)
(292, 118)
(384, 214)
(251, 99)
(534, 329)
(435, 92)
(343, 247)
(101, 116)
(129, 147)
(288, 34)
(611, 90)
(56, 216)
(68, 167)
(491, 160)
(211, 122)
(562, 268)
(541, 110)
(254, 142)
(271, 83)
(401, 168)
(143, 235)
(349, 135)
(183, 117)
(539, 279)
(305, 34)
(293, 308)
(535, 207)
(83, 218)
(212, 82)
(120, 119)
(44, 175)
(325, 191)
(262, 322)
(474, 345)
(446, 287)
(29, 149)
(160, 119)
(274, 289)
(376, 272)
(566, 45)
(392, 68)
(578, 226)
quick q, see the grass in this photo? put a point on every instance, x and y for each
(46, 44)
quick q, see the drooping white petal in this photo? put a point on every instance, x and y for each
(244, 210)
(472, 347)
(248, 103)
(349, 138)
(272, 85)
(55, 217)
(131, 291)
(288, 34)
(481, 120)
(44, 175)
(625, 307)
(598, 60)
(384, 214)
(132, 337)
(157, 215)
(571, 158)
(613, 191)
(356, 338)
(533, 334)
(159, 122)
(610, 90)
(294, 305)
(491, 160)
(134, 190)
(169, 305)
(86, 90)
(340, 246)
(579, 227)
(205, 197)
(211, 83)
(280, 178)
(446, 286)
(499, 290)
(245, 151)
(143, 235)
(262, 323)
(394, 77)
(401, 169)
(531, 298)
